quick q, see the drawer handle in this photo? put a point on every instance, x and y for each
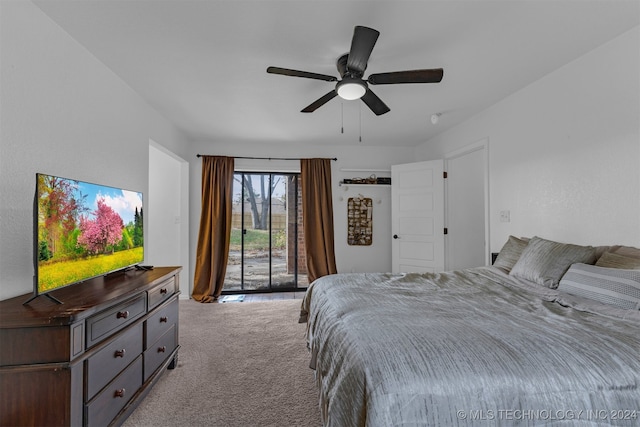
(163, 290)
(119, 353)
(122, 314)
(162, 349)
(119, 393)
(164, 319)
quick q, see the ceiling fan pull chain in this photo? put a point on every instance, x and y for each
(342, 117)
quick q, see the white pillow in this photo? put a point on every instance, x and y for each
(614, 286)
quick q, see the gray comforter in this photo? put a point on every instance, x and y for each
(472, 347)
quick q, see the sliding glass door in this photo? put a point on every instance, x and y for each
(267, 246)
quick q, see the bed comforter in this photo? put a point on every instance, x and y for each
(475, 347)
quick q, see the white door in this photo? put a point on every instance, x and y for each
(466, 242)
(417, 217)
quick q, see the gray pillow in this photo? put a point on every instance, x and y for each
(614, 286)
(544, 261)
(510, 253)
(611, 260)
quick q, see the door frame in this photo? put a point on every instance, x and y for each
(175, 211)
(482, 144)
(270, 286)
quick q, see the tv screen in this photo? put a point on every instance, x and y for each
(84, 230)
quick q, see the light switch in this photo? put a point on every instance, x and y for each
(505, 216)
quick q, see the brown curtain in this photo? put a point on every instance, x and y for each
(317, 211)
(215, 228)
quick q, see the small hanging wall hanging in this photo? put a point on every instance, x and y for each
(360, 221)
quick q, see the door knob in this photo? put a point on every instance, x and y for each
(395, 236)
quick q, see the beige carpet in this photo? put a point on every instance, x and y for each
(240, 364)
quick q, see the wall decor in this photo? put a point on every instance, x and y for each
(359, 221)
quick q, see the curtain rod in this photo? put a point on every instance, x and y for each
(265, 158)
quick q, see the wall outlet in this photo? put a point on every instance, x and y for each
(505, 216)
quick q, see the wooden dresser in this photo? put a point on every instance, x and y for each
(91, 360)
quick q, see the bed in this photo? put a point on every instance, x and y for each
(548, 335)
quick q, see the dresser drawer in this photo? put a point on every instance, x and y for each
(159, 351)
(161, 292)
(109, 402)
(101, 325)
(161, 321)
(104, 365)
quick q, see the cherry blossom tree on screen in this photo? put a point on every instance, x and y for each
(100, 234)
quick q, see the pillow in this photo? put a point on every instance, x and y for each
(617, 287)
(612, 260)
(510, 253)
(628, 251)
(602, 249)
(544, 262)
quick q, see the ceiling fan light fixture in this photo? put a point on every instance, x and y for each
(351, 89)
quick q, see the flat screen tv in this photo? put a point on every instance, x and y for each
(83, 230)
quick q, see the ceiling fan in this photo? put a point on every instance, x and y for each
(351, 67)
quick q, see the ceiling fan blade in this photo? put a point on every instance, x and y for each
(375, 103)
(305, 74)
(413, 76)
(319, 102)
(364, 39)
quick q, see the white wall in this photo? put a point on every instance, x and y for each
(376, 257)
(564, 151)
(63, 113)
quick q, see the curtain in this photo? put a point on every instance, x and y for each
(317, 211)
(215, 228)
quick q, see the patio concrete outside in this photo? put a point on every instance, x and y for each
(256, 271)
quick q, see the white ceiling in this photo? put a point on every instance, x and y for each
(202, 64)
